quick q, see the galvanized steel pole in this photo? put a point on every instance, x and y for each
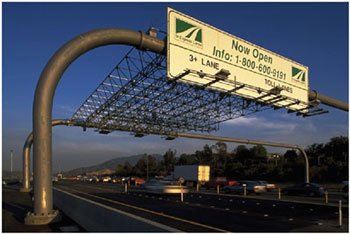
(43, 99)
(243, 141)
(314, 95)
(26, 155)
(11, 164)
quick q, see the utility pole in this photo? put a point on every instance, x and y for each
(11, 163)
(147, 167)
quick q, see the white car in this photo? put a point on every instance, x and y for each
(163, 187)
(106, 179)
(269, 186)
(54, 179)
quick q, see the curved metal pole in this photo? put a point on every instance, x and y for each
(26, 155)
(306, 160)
(43, 99)
(228, 139)
(218, 138)
(314, 95)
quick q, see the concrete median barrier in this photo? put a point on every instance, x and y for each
(97, 217)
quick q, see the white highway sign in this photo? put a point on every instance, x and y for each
(200, 47)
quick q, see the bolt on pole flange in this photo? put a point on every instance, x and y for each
(42, 219)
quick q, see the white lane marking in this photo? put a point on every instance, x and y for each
(154, 212)
(156, 224)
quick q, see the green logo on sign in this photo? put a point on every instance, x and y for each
(188, 32)
(298, 74)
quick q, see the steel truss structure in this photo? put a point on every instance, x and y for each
(137, 97)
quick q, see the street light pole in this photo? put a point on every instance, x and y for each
(11, 163)
(147, 158)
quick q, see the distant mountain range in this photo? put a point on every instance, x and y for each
(110, 164)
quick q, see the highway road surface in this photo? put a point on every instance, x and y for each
(206, 211)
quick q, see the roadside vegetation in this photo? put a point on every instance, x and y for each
(328, 162)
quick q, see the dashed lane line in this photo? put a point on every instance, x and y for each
(153, 212)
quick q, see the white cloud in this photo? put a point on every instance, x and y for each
(261, 123)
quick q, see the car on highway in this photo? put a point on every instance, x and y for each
(139, 181)
(106, 179)
(308, 189)
(163, 187)
(54, 179)
(10, 181)
(95, 179)
(250, 186)
(116, 179)
(346, 186)
(269, 186)
(90, 179)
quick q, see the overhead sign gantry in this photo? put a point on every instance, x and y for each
(146, 100)
(203, 55)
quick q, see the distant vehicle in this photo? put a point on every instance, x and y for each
(10, 181)
(192, 174)
(134, 180)
(116, 179)
(232, 182)
(269, 186)
(251, 187)
(221, 181)
(346, 186)
(106, 179)
(95, 179)
(139, 181)
(54, 179)
(163, 187)
(308, 189)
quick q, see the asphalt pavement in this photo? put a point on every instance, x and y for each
(199, 212)
(202, 212)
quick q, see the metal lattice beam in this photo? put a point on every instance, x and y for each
(137, 96)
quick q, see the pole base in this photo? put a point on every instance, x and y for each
(25, 190)
(36, 219)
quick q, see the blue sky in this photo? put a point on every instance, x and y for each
(313, 34)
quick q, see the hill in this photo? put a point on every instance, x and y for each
(110, 164)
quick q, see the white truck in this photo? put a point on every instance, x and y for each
(192, 174)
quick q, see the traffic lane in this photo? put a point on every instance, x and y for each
(268, 195)
(333, 197)
(279, 207)
(160, 217)
(209, 214)
(144, 202)
(269, 207)
(214, 217)
(253, 204)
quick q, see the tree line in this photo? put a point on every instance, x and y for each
(328, 163)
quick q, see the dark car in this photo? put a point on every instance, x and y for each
(251, 187)
(308, 189)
